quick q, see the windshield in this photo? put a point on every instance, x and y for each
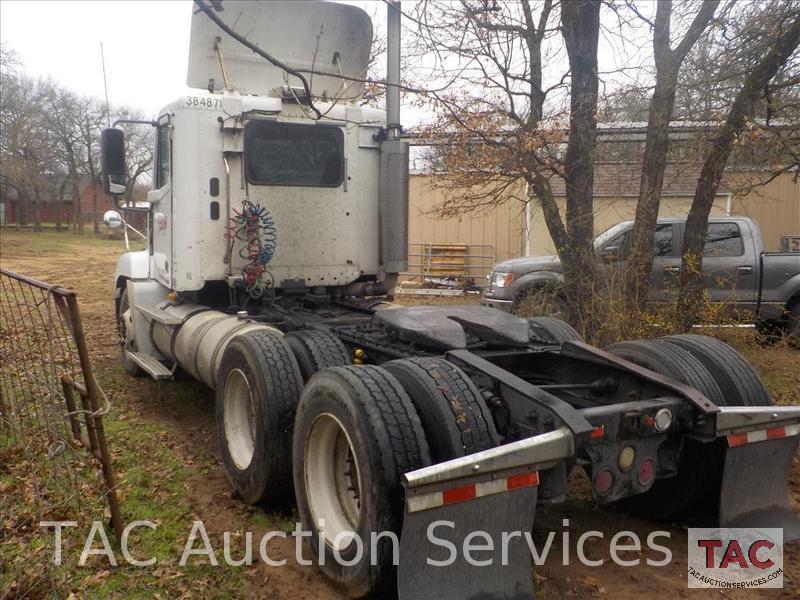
(292, 154)
(609, 234)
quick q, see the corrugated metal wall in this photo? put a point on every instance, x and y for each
(775, 207)
(499, 231)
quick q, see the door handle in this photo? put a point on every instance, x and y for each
(672, 270)
(744, 269)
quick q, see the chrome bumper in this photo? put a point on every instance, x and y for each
(504, 305)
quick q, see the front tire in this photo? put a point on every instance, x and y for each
(355, 434)
(539, 301)
(258, 386)
(125, 332)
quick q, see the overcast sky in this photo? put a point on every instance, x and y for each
(146, 44)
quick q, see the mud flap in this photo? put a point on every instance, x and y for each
(437, 535)
(753, 491)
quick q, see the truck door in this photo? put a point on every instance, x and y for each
(729, 273)
(665, 277)
(161, 206)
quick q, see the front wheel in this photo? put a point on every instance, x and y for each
(125, 331)
(355, 434)
(793, 326)
(539, 301)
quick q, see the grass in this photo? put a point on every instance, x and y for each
(165, 463)
(24, 242)
(152, 484)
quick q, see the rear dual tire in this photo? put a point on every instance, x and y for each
(721, 374)
(258, 387)
(356, 433)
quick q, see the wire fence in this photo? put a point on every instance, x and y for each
(51, 407)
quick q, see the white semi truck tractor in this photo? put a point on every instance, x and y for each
(276, 230)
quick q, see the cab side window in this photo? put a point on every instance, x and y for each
(663, 241)
(723, 239)
(663, 245)
(163, 157)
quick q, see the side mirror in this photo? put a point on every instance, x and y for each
(112, 219)
(112, 151)
(610, 254)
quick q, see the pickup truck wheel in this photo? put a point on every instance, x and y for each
(258, 386)
(355, 434)
(317, 349)
(454, 415)
(771, 331)
(125, 332)
(739, 382)
(554, 329)
(539, 301)
(693, 485)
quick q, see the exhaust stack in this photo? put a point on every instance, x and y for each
(393, 192)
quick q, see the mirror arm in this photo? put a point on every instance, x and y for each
(126, 208)
(135, 122)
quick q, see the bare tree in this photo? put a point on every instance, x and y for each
(61, 116)
(775, 51)
(25, 150)
(504, 103)
(668, 61)
(90, 119)
(581, 28)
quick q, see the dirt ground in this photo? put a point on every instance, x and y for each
(165, 434)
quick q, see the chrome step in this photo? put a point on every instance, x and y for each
(150, 365)
(154, 312)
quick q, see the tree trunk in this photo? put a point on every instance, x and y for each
(714, 165)
(640, 262)
(668, 63)
(581, 26)
(23, 209)
(37, 210)
(95, 219)
(77, 219)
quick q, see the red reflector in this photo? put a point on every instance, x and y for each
(597, 432)
(458, 494)
(520, 481)
(603, 481)
(776, 432)
(737, 439)
(647, 472)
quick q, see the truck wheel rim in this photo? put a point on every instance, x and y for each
(333, 482)
(239, 416)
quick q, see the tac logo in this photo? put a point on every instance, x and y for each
(735, 558)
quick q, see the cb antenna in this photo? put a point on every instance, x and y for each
(105, 82)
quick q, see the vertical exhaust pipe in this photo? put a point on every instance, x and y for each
(393, 192)
(393, 28)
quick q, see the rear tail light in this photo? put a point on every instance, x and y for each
(647, 472)
(603, 481)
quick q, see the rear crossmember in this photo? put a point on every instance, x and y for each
(497, 490)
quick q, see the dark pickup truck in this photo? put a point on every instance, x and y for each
(736, 271)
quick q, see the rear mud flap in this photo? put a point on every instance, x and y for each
(753, 491)
(438, 534)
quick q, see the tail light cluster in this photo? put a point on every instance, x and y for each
(627, 463)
